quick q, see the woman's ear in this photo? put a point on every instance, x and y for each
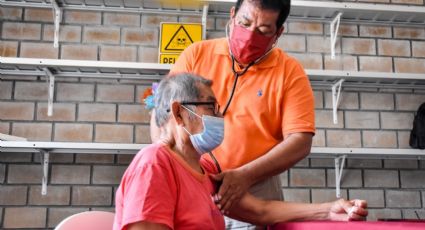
(232, 12)
(176, 110)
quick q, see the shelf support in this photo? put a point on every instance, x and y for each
(334, 27)
(339, 167)
(204, 21)
(51, 91)
(57, 19)
(335, 99)
(45, 159)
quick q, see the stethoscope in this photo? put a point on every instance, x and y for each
(235, 81)
(236, 74)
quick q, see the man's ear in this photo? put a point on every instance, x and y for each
(280, 31)
(175, 110)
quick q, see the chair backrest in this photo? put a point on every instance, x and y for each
(90, 220)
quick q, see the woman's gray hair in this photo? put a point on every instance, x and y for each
(180, 87)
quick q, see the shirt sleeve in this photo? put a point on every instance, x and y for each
(298, 103)
(149, 195)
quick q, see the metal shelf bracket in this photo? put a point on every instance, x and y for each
(334, 27)
(339, 167)
(45, 159)
(51, 91)
(204, 21)
(335, 99)
(57, 19)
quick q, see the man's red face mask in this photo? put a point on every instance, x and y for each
(248, 46)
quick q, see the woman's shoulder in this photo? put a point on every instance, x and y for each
(152, 154)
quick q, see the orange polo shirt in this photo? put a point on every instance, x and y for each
(271, 100)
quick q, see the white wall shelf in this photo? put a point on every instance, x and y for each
(367, 79)
(69, 147)
(341, 154)
(124, 6)
(154, 72)
(46, 148)
(338, 154)
(359, 12)
(151, 72)
(368, 13)
(80, 68)
(119, 148)
(368, 153)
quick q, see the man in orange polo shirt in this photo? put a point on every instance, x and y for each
(264, 95)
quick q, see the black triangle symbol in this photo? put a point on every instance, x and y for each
(172, 38)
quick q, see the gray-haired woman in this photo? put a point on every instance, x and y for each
(167, 185)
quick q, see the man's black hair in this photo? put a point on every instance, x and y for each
(283, 5)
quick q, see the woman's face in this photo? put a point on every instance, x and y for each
(193, 123)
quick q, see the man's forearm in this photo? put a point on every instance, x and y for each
(280, 158)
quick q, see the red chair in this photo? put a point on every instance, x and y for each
(90, 220)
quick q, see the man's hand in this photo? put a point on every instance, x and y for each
(233, 187)
(345, 210)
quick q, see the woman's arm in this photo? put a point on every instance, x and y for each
(266, 212)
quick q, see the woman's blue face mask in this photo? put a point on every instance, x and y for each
(212, 135)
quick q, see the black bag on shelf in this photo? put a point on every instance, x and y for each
(417, 135)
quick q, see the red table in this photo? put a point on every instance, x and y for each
(351, 225)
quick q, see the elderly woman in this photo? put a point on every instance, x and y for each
(167, 185)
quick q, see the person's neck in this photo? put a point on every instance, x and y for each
(189, 154)
(181, 147)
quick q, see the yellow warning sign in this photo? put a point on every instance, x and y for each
(175, 37)
(168, 58)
